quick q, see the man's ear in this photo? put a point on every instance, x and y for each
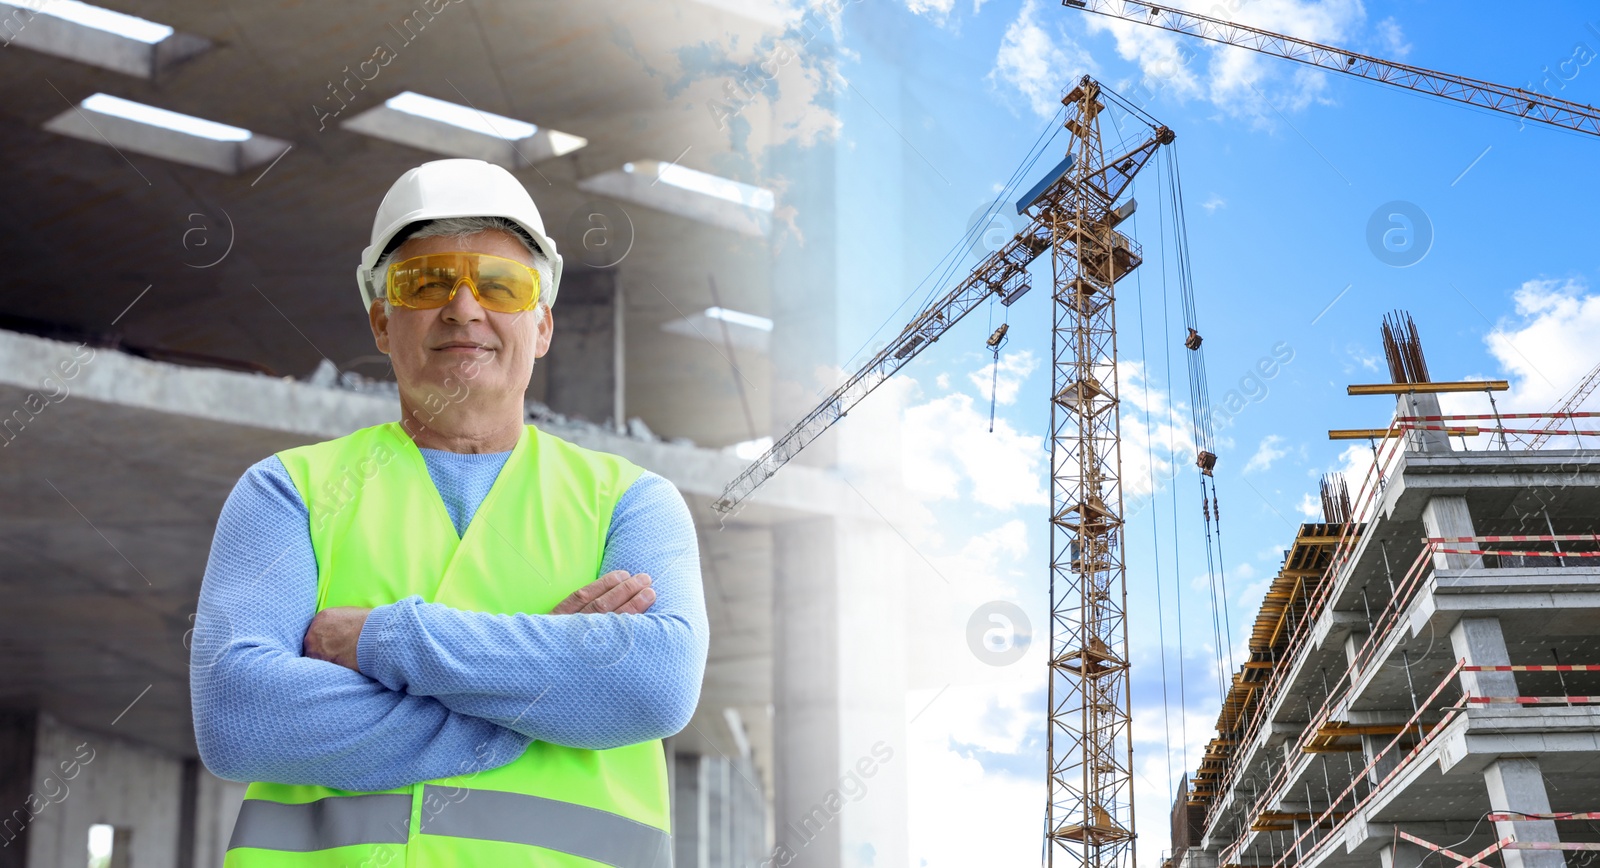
(546, 330)
(379, 318)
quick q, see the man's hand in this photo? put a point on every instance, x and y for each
(333, 635)
(615, 591)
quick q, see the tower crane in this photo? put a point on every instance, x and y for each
(1570, 402)
(1072, 213)
(1528, 104)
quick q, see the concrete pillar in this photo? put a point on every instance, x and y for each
(1423, 441)
(719, 812)
(1517, 784)
(691, 831)
(217, 804)
(581, 375)
(1447, 516)
(1352, 646)
(839, 687)
(1371, 745)
(839, 638)
(18, 738)
(1402, 854)
(86, 778)
(188, 812)
(750, 832)
(1480, 642)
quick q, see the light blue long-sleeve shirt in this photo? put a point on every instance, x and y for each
(441, 691)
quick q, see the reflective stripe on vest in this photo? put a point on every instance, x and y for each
(380, 533)
(488, 815)
(339, 821)
(484, 815)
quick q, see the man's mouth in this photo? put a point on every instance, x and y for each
(461, 347)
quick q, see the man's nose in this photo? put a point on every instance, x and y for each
(463, 306)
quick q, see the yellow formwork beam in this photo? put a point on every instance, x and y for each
(1428, 388)
(1384, 433)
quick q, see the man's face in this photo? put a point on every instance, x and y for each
(462, 346)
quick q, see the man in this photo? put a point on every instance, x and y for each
(453, 639)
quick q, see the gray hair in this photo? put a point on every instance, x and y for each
(459, 228)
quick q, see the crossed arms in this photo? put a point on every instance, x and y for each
(438, 691)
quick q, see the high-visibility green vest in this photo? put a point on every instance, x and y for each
(381, 532)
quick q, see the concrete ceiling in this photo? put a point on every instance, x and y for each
(281, 296)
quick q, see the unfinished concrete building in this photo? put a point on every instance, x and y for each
(216, 322)
(1421, 677)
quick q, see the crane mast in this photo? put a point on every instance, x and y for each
(1089, 813)
(1073, 213)
(1516, 101)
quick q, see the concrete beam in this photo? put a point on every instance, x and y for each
(39, 367)
(1422, 476)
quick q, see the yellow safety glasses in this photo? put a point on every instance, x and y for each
(432, 280)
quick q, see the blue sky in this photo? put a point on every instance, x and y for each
(1283, 168)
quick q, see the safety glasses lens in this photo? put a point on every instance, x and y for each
(430, 281)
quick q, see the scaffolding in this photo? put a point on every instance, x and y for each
(1321, 742)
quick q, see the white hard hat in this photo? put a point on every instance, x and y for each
(454, 188)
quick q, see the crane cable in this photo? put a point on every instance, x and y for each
(952, 257)
(1200, 412)
(1155, 537)
(1172, 449)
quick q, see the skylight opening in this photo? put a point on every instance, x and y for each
(465, 117)
(740, 318)
(712, 199)
(121, 24)
(715, 185)
(159, 117)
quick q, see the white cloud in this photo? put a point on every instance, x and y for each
(960, 751)
(938, 10)
(1213, 203)
(1013, 369)
(1235, 79)
(1393, 41)
(1266, 453)
(1550, 346)
(1163, 57)
(1361, 357)
(1310, 505)
(1037, 62)
(948, 450)
(1157, 436)
(761, 80)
